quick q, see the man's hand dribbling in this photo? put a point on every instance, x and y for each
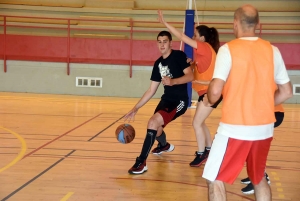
(130, 115)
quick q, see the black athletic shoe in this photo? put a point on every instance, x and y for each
(267, 178)
(249, 189)
(160, 149)
(199, 159)
(247, 180)
(139, 167)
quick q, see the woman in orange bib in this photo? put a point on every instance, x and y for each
(205, 44)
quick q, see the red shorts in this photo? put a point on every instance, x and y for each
(228, 156)
(170, 110)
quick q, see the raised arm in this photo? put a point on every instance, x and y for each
(181, 36)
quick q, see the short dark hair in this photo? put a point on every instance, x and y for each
(164, 33)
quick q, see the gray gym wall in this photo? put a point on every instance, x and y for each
(52, 78)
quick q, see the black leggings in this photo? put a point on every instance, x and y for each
(279, 118)
(214, 105)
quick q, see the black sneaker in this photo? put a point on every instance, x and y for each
(247, 180)
(249, 189)
(267, 178)
(159, 149)
(199, 159)
(139, 167)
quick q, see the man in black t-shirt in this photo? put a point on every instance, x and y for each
(174, 72)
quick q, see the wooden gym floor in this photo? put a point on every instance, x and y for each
(57, 147)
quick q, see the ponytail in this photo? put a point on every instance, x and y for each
(211, 36)
(213, 40)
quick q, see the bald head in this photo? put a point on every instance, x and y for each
(247, 15)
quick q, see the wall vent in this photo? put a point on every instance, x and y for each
(89, 82)
(296, 89)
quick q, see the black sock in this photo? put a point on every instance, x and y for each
(148, 143)
(207, 148)
(162, 139)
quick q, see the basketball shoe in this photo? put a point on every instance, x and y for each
(139, 167)
(200, 158)
(249, 189)
(160, 149)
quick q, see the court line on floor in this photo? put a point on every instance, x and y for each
(57, 162)
(105, 129)
(20, 154)
(37, 149)
(47, 115)
(66, 197)
(178, 182)
(278, 184)
(176, 161)
(37, 176)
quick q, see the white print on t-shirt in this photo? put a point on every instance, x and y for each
(164, 71)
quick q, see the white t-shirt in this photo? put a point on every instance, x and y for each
(221, 71)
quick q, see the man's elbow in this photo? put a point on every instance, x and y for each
(289, 93)
(216, 92)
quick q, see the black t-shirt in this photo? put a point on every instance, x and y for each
(173, 67)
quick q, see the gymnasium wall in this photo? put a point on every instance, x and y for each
(104, 58)
(46, 76)
(51, 78)
(36, 56)
(112, 51)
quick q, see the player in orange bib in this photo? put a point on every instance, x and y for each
(205, 44)
(245, 72)
(279, 115)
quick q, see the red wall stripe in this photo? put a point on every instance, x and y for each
(106, 51)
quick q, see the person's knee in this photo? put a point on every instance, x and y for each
(215, 183)
(154, 123)
(263, 182)
(197, 123)
(208, 182)
(159, 131)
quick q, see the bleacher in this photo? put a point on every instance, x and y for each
(121, 12)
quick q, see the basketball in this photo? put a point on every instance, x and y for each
(125, 133)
